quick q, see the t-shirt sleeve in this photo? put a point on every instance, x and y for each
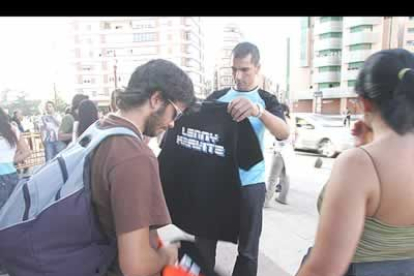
(248, 147)
(67, 124)
(272, 104)
(136, 195)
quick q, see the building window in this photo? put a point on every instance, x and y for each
(143, 24)
(330, 52)
(362, 46)
(351, 83)
(330, 35)
(330, 18)
(355, 65)
(86, 68)
(411, 30)
(361, 28)
(142, 37)
(87, 80)
(107, 25)
(328, 85)
(329, 69)
(410, 42)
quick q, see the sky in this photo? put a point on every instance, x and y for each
(31, 47)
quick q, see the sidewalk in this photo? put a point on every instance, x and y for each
(226, 254)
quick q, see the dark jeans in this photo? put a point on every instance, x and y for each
(251, 216)
(381, 268)
(7, 184)
(52, 149)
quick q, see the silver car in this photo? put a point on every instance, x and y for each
(316, 133)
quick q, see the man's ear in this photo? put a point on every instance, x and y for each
(156, 100)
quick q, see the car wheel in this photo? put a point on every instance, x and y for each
(326, 148)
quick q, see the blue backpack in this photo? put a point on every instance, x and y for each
(48, 225)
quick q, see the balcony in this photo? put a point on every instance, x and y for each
(328, 27)
(334, 76)
(327, 61)
(361, 37)
(350, 22)
(356, 56)
(350, 74)
(328, 43)
(338, 92)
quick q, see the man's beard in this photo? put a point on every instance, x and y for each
(154, 122)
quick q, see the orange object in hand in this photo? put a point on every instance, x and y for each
(171, 270)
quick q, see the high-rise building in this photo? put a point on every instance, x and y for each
(333, 50)
(223, 77)
(107, 50)
(408, 31)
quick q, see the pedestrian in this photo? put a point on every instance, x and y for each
(347, 119)
(17, 119)
(281, 165)
(49, 127)
(126, 187)
(366, 223)
(87, 115)
(66, 127)
(263, 110)
(13, 149)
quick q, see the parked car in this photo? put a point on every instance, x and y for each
(324, 136)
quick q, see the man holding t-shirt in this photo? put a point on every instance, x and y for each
(263, 110)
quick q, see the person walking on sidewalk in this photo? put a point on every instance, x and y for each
(366, 225)
(280, 168)
(263, 110)
(49, 129)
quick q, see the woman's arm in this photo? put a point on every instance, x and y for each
(22, 150)
(343, 213)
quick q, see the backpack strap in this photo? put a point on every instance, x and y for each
(97, 136)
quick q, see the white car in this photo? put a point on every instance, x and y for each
(327, 137)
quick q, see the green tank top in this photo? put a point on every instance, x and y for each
(381, 241)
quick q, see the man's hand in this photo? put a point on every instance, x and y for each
(363, 133)
(240, 108)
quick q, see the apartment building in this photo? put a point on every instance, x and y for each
(332, 51)
(232, 35)
(106, 50)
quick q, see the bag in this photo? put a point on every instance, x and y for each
(48, 225)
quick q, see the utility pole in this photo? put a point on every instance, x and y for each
(287, 96)
(55, 94)
(115, 67)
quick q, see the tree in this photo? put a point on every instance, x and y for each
(28, 107)
(60, 103)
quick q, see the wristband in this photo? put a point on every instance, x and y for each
(260, 111)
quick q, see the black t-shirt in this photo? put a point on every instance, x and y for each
(199, 167)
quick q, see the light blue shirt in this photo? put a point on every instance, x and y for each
(255, 174)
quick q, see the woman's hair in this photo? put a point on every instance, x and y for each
(76, 100)
(6, 129)
(88, 114)
(387, 79)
